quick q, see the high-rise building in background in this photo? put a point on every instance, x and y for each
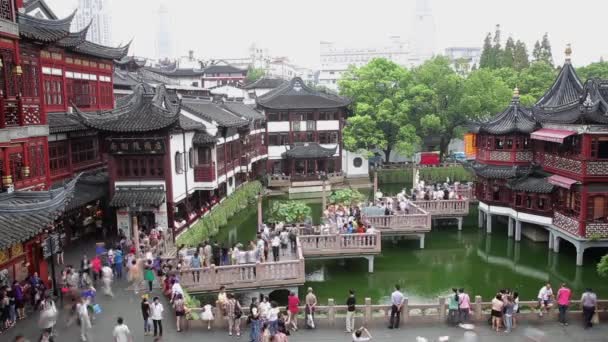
(97, 13)
(422, 38)
(164, 47)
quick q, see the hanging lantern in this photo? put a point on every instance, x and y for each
(7, 181)
(1, 64)
(26, 171)
(18, 70)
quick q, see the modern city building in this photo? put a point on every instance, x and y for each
(546, 167)
(164, 42)
(94, 14)
(464, 55)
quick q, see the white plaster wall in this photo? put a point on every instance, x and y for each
(328, 125)
(140, 183)
(278, 126)
(210, 127)
(179, 179)
(348, 166)
(57, 137)
(187, 81)
(229, 91)
(275, 152)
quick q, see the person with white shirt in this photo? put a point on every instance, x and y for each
(397, 299)
(156, 314)
(358, 335)
(85, 320)
(263, 307)
(544, 299)
(176, 289)
(284, 237)
(121, 332)
(275, 243)
(273, 318)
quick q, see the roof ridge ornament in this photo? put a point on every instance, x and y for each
(515, 99)
(568, 52)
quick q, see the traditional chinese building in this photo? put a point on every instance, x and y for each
(304, 134)
(170, 159)
(548, 166)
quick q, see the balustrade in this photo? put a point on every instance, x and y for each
(340, 244)
(204, 173)
(445, 207)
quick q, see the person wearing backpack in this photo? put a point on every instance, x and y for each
(233, 314)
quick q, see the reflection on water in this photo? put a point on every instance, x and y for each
(480, 263)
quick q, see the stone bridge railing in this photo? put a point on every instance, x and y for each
(340, 244)
(246, 276)
(445, 207)
(415, 221)
(333, 316)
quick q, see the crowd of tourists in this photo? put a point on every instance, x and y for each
(437, 191)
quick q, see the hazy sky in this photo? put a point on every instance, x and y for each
(294, 28)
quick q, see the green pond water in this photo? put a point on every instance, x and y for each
(480, 263)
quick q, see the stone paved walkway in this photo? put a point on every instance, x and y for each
(126, 304)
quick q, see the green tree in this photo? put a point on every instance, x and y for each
(534, 81)
(537, 53)
(545, 48)
(484, 94)
(508, 54)
(288, 212)
(254, 74)
(346, 197)
(485, 60)
(593, 70)
(379, 91)
(520, 56)
(602, 266)
(435, 96)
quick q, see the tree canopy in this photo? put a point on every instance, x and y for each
(602, 266)
(379, 91)
(254, 74)
(593, 70)
(288, 212)
(346, 197)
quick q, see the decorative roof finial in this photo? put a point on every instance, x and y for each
(568, 52)
(516, 93)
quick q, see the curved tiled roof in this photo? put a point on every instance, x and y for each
(45, 30)
(145, 196)
(90, 48)
(211, 111)
(246, 111)
(75, 38)
(297, 95)
(498, 171)
(266, 83)
(63, 123)
(309, 150)
(25, 214)
(514, 119)
(141, 111)
(222, 69)
(565, 91)
(531, 184)
(203, 138)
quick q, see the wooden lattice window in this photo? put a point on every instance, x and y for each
(58, 156)
(30, 79)
(84, 150)
(53, 91)
(6, 10)
(16, 165)
(7, 76)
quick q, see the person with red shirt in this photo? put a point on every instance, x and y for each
(96, 267)
(292, 307)
(563, 301)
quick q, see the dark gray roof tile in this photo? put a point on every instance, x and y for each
(297, 95)
(145, 196)
(309, 150)
(211, 111)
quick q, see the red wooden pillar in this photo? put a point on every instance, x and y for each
(583, 214)
(7, 179)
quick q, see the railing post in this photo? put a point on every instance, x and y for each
(331, 312)
(441, 309)
(212, 276)
(478, 312)
(367, 311)
(405, 312)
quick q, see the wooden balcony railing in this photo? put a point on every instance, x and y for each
(246, 276)
(486, 155)
(445, 207)
(573, 166)
(340, 244)
(571, 224)
(204, 173)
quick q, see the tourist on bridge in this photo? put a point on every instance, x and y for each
(589, 302)
(284, 236)
(276, 244)
(292, 308)
(350, 311)
(397, 300)
(464, 306)
(222, 300)
(233, 314)
(195, 264)
(563, 301)
(207, 315)
(311, 304)
(545, 295)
